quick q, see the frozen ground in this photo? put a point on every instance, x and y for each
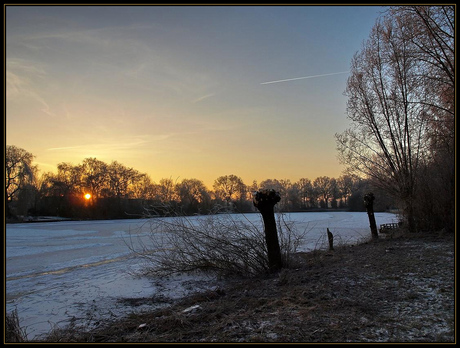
(78, 270)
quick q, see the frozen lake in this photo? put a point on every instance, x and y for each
(56, 271)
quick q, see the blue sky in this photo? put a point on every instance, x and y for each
(178, 91)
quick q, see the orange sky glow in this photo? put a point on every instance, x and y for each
(183, 91)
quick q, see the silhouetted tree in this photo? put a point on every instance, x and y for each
(230, 189)
(19, 172)
(194, 196)
(391, 105)
(94, 176)
(431, 29)
(305, 192)
(325, 188)
(345, 187)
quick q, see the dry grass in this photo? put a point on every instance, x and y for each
(398, 290)
(13, 331)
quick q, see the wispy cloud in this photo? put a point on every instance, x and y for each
(21, 77)
(116, 144)
(110, 146)
(65, 148)
(305, 77)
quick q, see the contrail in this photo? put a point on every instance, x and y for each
(203, 97)
(305, 77)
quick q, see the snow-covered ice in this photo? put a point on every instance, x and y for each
(56, 271)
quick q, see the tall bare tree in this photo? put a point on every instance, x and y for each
(391, 103)
(432, 32)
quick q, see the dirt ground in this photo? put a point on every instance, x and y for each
(391, 290)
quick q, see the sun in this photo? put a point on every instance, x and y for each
(87, 196)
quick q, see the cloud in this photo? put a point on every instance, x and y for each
(21, 77)
(111, 145)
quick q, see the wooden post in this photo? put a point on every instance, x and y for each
(264, 201)
(330, 237)
(369, 204)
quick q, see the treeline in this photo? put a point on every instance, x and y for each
(98, 190)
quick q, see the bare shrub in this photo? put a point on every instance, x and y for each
(13, 331)
(290, 239)
(226, 244)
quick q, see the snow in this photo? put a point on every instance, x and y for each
(67, 270)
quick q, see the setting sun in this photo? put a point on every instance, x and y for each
(87, 196)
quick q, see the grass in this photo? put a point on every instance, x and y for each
(13, 331)
(398, 290)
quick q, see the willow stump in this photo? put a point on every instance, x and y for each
(264, 201)
(369, 204)
(330, 238)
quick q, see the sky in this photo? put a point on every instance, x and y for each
(183, 92)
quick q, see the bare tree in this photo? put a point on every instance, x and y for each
(193, 195)
(325, 188)
(293, 195)
(305, 191)
(94, 175)
(230, 188)
(166, 190)
(433, 34)
(388, 137)
(121, 179)
(145, 188)
(61, 192)
(68, 178)
(19, 172)
(345, 186)
(431, 29)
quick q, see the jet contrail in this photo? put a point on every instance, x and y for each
(305, 77)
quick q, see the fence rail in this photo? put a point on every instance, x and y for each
(384, 228)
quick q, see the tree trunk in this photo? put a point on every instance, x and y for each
(330, 238)
(369, 204)
(409, 212)
(265, 201)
